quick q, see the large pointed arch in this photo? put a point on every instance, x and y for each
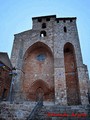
(35, 46)
(38, 68)
(72, 83)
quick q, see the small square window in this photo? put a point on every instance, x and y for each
(64, 21)
(71, 20)
(57, 21)
(44, 25)
(47, 19)
(39, 20)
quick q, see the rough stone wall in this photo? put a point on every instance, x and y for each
(15, 111)
(23, 42)
(5, 80)
(36, 69)
(59, 31)
(62, 37)
(47, 112)
(83, 83)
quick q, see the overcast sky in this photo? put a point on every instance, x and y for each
(16, 16)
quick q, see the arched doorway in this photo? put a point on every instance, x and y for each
(72, 84)
(38, 89)
(38, 65)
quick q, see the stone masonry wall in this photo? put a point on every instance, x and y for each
(5, 80)
(15, 111)
(56, 34)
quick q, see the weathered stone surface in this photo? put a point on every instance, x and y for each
(47, 112)
(50, 75)
(15, 111)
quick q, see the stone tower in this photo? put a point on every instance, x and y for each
(49, 62)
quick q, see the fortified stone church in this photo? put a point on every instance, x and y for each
(49, 62)
(49, 65)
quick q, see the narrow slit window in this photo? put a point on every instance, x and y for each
(65, 29)
(44, 25)
(64, 21)
(57, 21)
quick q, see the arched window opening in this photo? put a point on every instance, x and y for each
(44, 25)
(65, 29)
(68, 48)
(43, 34)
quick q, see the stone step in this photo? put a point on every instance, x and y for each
(21, 111)
(15, 111)
(63, 113)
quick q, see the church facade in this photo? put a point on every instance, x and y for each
(48, 62)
